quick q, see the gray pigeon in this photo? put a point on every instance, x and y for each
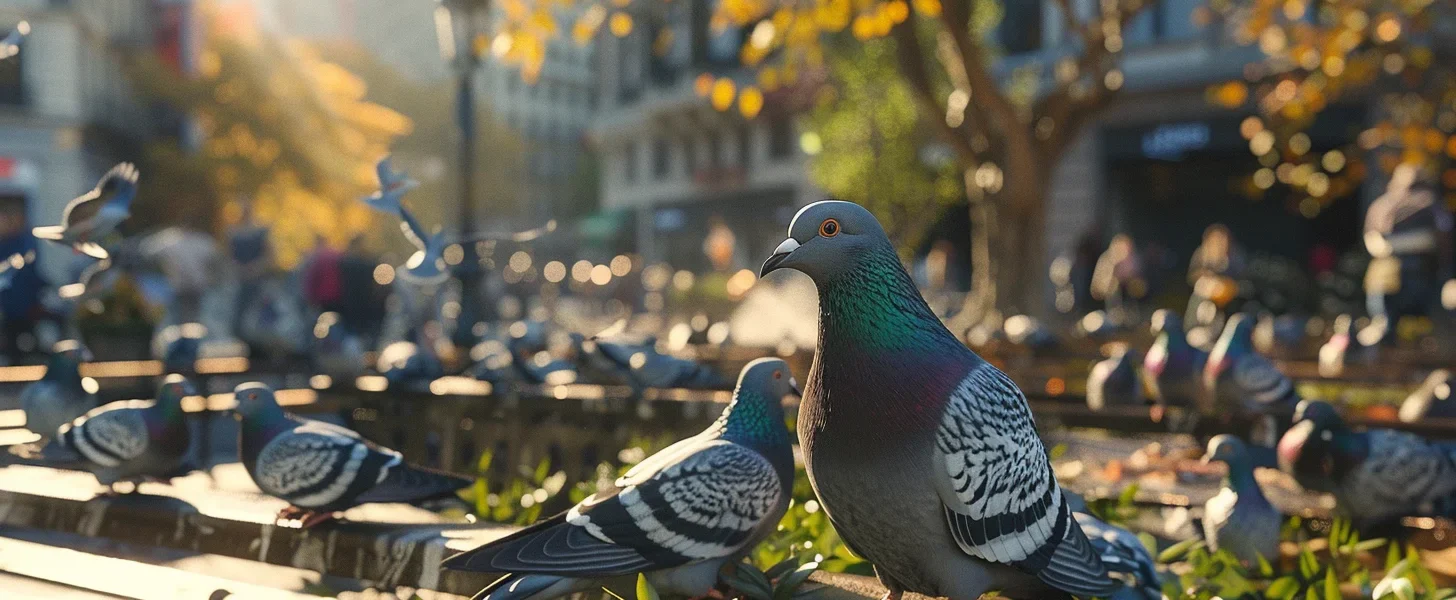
(678, 516)
(393, 185)
(1239, 519)
(1121, 551)
(644, 367)
(1376, 476)
(924, 456)
(61, 395)
(129, 440)
(321, 468)
(1173, 371)
(91, 217)
(1433, 399)
(1242, 383)
(1115, 381)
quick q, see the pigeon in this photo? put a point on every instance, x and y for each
(1376, 476)
(1284, 334)
(1028, 332)
(1244, 383)
(1115, 381)
(1433, 399)
(130, 440)
(91, 217)
(1335, 353)
(678, 516)
(924, 456)
(1239, 518)
(337, 352)
(320, 468)
(1120, 550)
(61, 395)
(181, 346)
(409, 364)
(644, 367)
(427, 267)
(1173, 368)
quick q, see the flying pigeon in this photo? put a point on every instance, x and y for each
(1239, 519)
(321, 469)
(1115, 381)
(925, 456)
(1120, 550)
(427, 266)
(1433, 399)
(91, 217)
(1376, 476)
(1244, 383)
(644, 367)
(1173, 368)
(678, 516)
(129, 440)
(61, 395)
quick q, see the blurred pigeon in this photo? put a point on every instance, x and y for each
(1376, 476)
(1433, 399)
(393, 185)
(924, 456)
(1173, 368)
(93, 216)
(130, 440)
(409, 364)
(181, 346)
(1239, 519)
(337, 352)
(1283, 334)
(1336, 353)
(61, 395)
(1247, 384)
(645, 367)
(1098, 326)
(1120, 550)
(543, 368)
(678, 516)
(493, 362)
(427, 266)
(320, 468)
(1028, 332)
(1115, 381)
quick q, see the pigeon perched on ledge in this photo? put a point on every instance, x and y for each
(644, 367)
(678, 516)
(1376, 476)
(321, 469)
(129, 440)
(924, 456)
(1115, 381)
(1240, 519)
(61, 395)
(1243, 383)
(91, 217)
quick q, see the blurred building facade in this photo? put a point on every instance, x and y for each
(67, 113)
(672, 165)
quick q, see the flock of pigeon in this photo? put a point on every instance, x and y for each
(924, 456)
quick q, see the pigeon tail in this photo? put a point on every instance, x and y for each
(1075, 567)
(519, 587)
(408, 483)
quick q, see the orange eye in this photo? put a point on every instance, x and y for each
(829, 228)
(778, 374)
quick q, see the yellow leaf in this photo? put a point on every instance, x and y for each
(723, 92)
(768, 79)
(929, 8)
(703, 85)
(620, 24)
(863, 27)
(750, 102)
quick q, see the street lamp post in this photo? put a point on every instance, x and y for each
(458, 23)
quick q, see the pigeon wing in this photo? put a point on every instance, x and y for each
(706, 505)
(316, 465)
(1122, 553)
(1002, 502)
(110, 435)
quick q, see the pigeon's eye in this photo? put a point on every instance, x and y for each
(778, 374)
(829, 228)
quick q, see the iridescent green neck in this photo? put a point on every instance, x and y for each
(754, 420)
(877, 307)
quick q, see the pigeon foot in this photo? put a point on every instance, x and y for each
(306, 518)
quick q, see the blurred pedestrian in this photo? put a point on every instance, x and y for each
(1213, 272)
(1118, 280)
(1408, 235)
(323, 279)
(252, 254)
(362, 308)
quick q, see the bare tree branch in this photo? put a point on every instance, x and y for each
(913, 67)
(1067, 111)
(955, 16)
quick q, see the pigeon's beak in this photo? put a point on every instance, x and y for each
(780, 254)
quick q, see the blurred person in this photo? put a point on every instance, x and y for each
(252, 255)
(1408, 235)
(1084, 262)
(1118, 279)
(721, 245)
(189, 261)
(20, 303)
(362, 307)
(1213, 272)
(323, 279)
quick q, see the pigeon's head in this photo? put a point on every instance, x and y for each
(756, 415)
(826, 239)
(69, 354)
(768, 378)
(255, 400)
(1226, 449)
(1321, 413)
(1239, 331)
(174, 388)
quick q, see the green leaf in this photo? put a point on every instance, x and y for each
(1057, 451)
(750, 582)
(1308, 564)
(1266, 570)
(1423, 575)
(781, 568)
(1369, 545)
(1149, 542)
(1128, 495)
(1443, 594)
(612, 593)
(1313, 593)
(1283, 588)
(1392, 556)
(1176, 551)
(645, 591)
(542, 470)
(1332, 585)
(791, 582)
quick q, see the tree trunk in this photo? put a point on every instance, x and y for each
(982, 297)
(1022, 234)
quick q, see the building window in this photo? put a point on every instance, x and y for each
(661, 161)
(745, 146)
(690, 155)
(780, 138)
(629, 172)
